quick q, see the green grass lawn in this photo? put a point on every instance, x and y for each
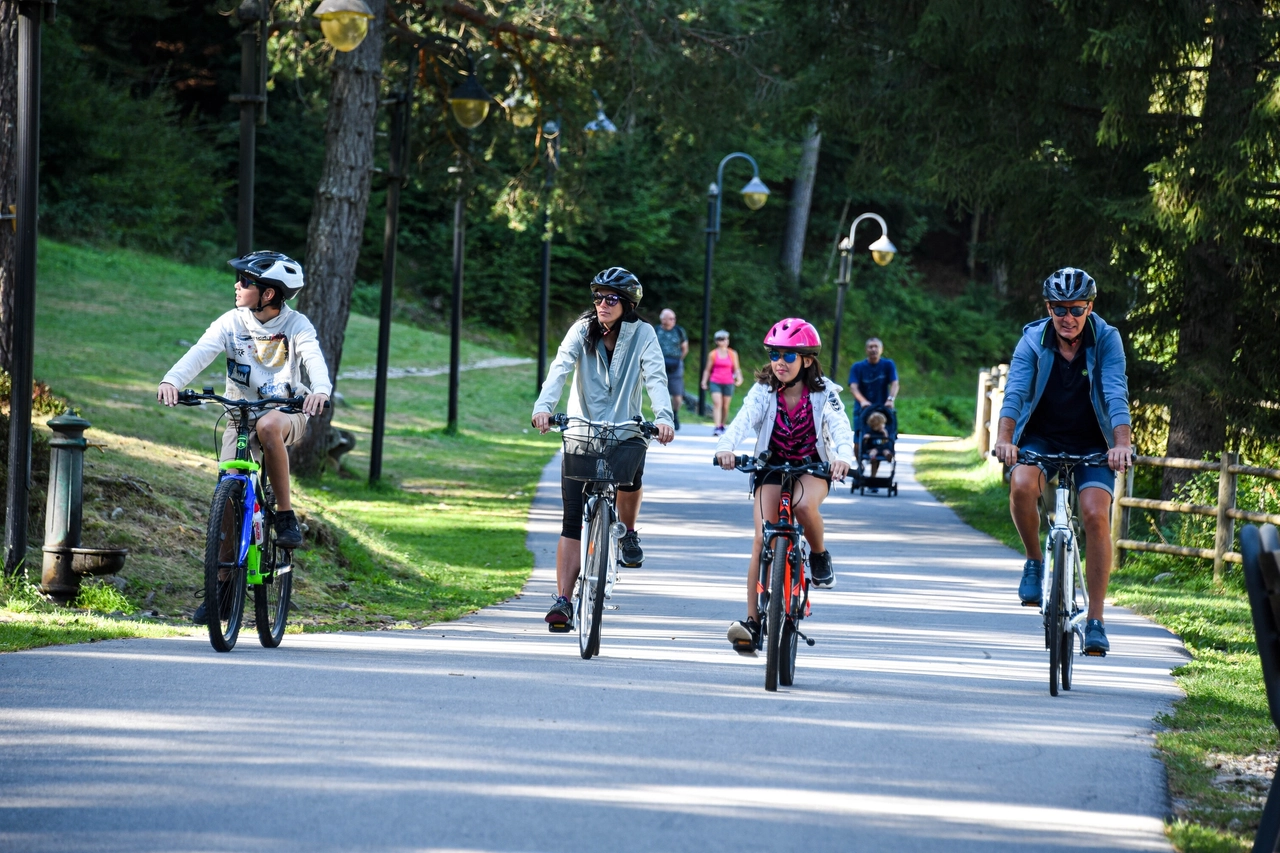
(441, 536)
(1222, 728)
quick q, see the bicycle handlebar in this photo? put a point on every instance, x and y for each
(748, 464)
(1031, 457)
(191, 398)
(647, 428)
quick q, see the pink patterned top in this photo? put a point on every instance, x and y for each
(795, 438)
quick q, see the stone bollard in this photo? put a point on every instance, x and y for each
(64, 510)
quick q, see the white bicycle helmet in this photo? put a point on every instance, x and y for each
(271, 269)
(1070, 285)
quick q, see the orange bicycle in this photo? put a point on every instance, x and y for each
(783, 584)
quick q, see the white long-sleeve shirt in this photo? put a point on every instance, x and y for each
(263, 359)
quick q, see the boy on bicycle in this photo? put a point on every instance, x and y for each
(796, 414)
(266, 344)
(1067, 392)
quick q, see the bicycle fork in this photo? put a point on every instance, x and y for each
(1074, 584)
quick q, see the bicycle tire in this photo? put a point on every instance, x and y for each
(1068, 655)
(271, 597)
(591, 596)
(1057, 609)
(774, 622)
(787, 660)
(224, 598)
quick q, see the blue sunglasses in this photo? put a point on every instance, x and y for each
(788, 357)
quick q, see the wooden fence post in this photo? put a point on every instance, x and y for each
(1226, 532)
(981, 436)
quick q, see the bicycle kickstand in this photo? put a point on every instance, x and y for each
(803, 637)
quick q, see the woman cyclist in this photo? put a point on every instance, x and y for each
(613, 352)
(795, 413)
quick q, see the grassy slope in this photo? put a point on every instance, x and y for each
(1224, 716)
(445, 535)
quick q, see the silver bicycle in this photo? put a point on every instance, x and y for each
(1064, 596)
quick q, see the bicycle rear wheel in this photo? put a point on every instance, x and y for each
(777, 614)
(271, 597)
(591, 581)
(1057, 613)
(224, 574)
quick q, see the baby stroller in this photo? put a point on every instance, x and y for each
(871, 447)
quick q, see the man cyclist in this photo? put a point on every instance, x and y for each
(266, 344)
(1067, 393)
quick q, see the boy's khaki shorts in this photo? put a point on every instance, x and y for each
(296, 429)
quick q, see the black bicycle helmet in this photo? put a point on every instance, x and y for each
(621, 280)
(1070, 285)
(271, 269)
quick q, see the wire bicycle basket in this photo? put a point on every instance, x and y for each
(602, 453)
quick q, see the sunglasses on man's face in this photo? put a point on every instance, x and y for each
(1061, 310)
(610, 299)
(788, 357)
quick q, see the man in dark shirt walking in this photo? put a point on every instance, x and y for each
(675, 346)
(872, 382)
(1067, 392)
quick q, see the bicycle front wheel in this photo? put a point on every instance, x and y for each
(1057, 613)
(224, 574)
(591, 582)
(777, 614)
(271, 597)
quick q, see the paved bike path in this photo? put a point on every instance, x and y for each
(921, 720)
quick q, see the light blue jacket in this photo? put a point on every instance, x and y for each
(1033, 359)
(607, 389)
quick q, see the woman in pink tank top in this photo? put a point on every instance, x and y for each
(721, 374)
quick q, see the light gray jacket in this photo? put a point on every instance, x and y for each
(607, 389)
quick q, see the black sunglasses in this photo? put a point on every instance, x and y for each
(610, 299)
(788, 357)
(1061, 310)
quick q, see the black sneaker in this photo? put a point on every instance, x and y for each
(1029, 587)
(629, 550)
(201, 616)
(820, 570)
(1095, 639)
(560, 617)
(744, 636)
(288, 533)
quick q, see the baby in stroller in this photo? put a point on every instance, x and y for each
(876, 432)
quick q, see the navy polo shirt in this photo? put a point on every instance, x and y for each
(874, 379)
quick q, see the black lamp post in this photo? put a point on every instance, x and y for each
(882, 252)
(30, 15)
(754, 195)
(550, 130)
(253, 110)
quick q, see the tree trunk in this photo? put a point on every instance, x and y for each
(336, 229)
(8, 174)
(1207, 324)
(801, 198)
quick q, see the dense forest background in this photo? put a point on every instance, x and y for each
(1001, 140)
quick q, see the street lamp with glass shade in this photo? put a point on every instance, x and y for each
(755, 193)
(882, 252)
(344, 23)
(601, 123)
(470, 102)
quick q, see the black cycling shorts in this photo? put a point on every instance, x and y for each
(572, 492)
(774, 478)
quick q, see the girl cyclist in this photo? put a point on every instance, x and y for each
(796, 414)
(613, 352)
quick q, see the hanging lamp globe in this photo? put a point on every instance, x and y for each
(755, 194)
(470, 102)
(882, 251)
(344, 23)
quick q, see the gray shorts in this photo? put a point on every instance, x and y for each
(725, 388)
(675, 385)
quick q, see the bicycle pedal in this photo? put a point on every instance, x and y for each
(1030, 604)
(744, 647)
(559, 627)
(1095, 653)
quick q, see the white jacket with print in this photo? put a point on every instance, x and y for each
(760, 410)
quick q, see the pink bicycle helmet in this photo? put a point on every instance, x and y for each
(794, 334)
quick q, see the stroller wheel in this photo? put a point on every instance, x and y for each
(893, 490)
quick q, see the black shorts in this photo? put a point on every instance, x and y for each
(571, 491)
(774, 478)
